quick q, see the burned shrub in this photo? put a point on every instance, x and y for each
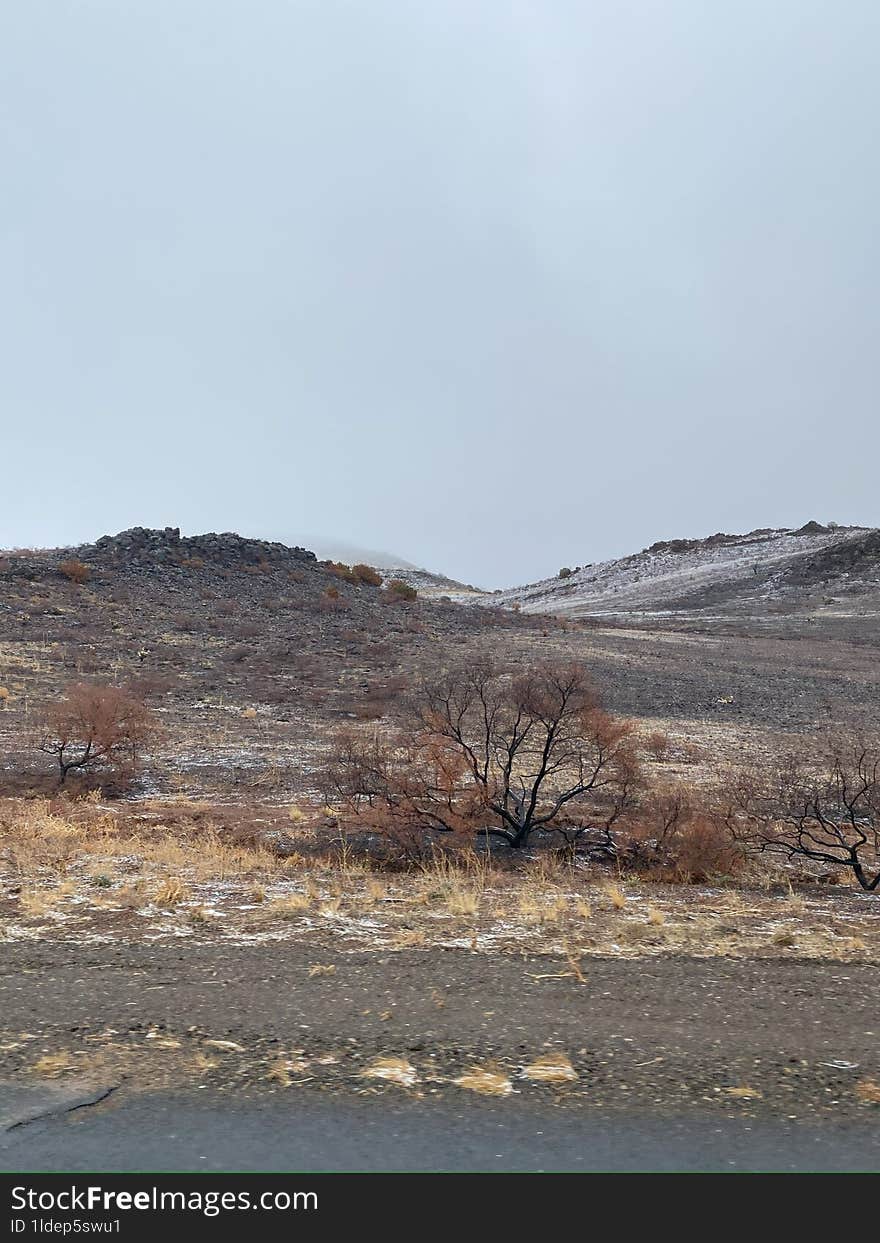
(495, 754)
(94, 728)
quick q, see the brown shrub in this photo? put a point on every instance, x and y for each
(341, 570)
(96, 727)
(703, 849)
(367, 574)
(657, 745)
(75, 571)
(673, 837)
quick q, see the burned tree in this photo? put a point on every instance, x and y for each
(496, 754)
(93, 728)
(829, 812)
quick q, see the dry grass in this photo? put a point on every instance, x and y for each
(551, 1068)
(53, 1065)
(743, 1093)
(868, 1091)
(285, 1067)
(171, 892)
(485, 1080)
(79, 865)
(463, 901)
(615, 896)
(39, 903)
(393, 1070)
(291, 906)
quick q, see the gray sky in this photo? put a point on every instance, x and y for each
(497, 285)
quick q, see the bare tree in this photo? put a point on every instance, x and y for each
(828, 812)
(496, 754)
(95, 727)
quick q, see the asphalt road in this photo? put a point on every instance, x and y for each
(315, 1131)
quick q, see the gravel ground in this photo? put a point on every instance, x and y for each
(789, 1039)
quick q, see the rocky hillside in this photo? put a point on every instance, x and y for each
(431, 586)
(252, 654)
(225, 637)
(815, 570)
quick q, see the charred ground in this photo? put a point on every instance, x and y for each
(251, 651)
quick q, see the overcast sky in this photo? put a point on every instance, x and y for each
(497, 285)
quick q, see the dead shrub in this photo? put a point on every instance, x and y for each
(493, 754)
(343, 571)
(676, 838)
(823, 807)
(75, 571)
(332, 602)
(657, 745)
(96, 727)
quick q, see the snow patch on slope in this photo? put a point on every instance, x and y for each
(723, 573)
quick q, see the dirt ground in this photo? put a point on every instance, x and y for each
(790, 1038)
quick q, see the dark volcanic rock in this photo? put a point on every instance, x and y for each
(855, 557)
(142, 545)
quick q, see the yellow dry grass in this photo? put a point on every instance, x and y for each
(37, 903)
(463, 901)
(550, 1068)
(171, 892)
(52, 1065)
(68, 862)
(868, 1091)
(290, 907)
(392, 1070)
(615, 896)
(486, 1081)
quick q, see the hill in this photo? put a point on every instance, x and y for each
(814, 571)
(252, 653)
(249, 650)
